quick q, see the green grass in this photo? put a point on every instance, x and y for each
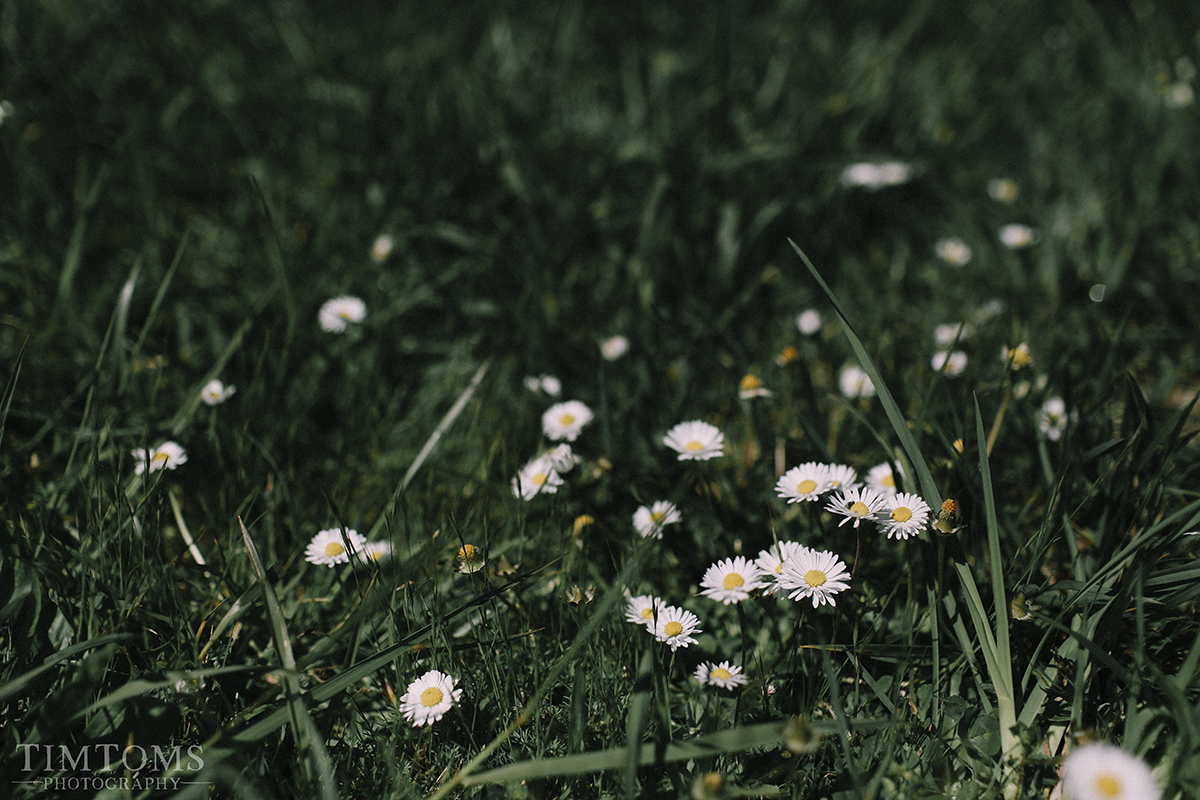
(183, 189)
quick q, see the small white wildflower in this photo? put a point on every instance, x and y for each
(854, 382)
(808, 321)
(566, 420)
(214, 392)
(614, 347)
(816, 574)
(381, 248)
(650, 521)
(1014, 237)
(695, 440)
(953, 251)
(336, 315)
(328, 547)
(731, 580)
(429, 697)
(167, 455)
(723, 675)
(955, 362)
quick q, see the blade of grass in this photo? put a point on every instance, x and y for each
(10, 388)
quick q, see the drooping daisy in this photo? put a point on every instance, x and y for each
(429, 697)
(536, 477)
(566, 420)
(1014, 237)
(675, 626)
(855, 505)
(731, 580)
(643, 609)
(214, 392)
(818, 574)
(808, 321)
(841, 476)
(1102, 771)
(336, 315)
(650, 520)
(953, 361)
(614, 347)
(167, 455)
(854, 382)
(562, 458)
(953, 251)
(805, 482)
(1053, 419)
(469, 559)
(751, 386)
(770, 562)
(881, 479)
(695, 440)
(328, 547)
(903, 515)
(724, 675)
(373, 552)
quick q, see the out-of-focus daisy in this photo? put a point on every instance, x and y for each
(731, 580)
(903, 514)
(752, 386)
(536, 477)
(874, 176)
(953, 251)
(376, 551)
(946, 335)
(1180, 94)
(214, 392)
(770, 562)
(855, 505)
(988, 310)
(167, 455)
(695, 440)
(881, 479)
(381, 248)
(675, 626)
(805, 482)
(6, 110)
(566, 420)
(1103, 771)
(1003, 189)
(643, 609)
(1014, 237)
(841, 476)
(724, 675)
(1053, 419)
(650, 520)
(469, 559)
(808, 321)
(614, 347)
(816, 574)
(854, 382)
(547, 384)
(337, 314)
(954, 362)
(1016, 358)
(562, 458)
(328, 547)
(429, 697)
(787, 355)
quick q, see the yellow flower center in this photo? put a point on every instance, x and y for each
(901, 514)
(539, 478)
(672, 628)
(1108, 785)
(814, 578)
(647, 613)
(694, 446)
(859, 509)
(732, 581)
(888, 480)
(721, 674)
(431, 697)
(467, 551)
(750, 383)
(160, 456)
(655, 516)
(334, 549)
(779, 569)
(566, 420)
(804, 487)
(344, 314)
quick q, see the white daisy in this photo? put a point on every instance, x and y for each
(805, 482)
(1003, 189)
(376, 551)
(854, 382)
(536, 477)
(808, 321)
(215, 392)
(642, 610)
(328, 547)
(873, 176)
(953, 251)
(469, 559)
(731, 580)
(841, 476)
(950, 333)
(566, 420)
(1014, 237)
(724, 675)
(337, 314)
(543, 383)
(1102, 771)
(903, 515)
(614, 347)
(954, 362)
(1180, 94)
(1017, 357)
(1053, 420)
(562, 458)
(429, 697)
(650, 521)
(167, 455)
(751, 386)
(818, 574)
(381, 248)
(695, 440)
(855, 505)
(770, 562)
(881, 479)
(675, 626)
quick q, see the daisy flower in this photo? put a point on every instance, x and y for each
(429, 697)
(642, 610)
(1053, 419)
(903, 515)
(1017, 357)
(854, 382)
(328, 547)
(376, 551)
(954, 362)
(770, 562)
(675, 626)
(872, 177)
(953, 251)
(167, 455)
(381, 248)
(818, 574)
(731, 580)
(1014, 237)
(469, 559)
(855, 505)
(841, 476)
(614, 347)
(1180, 94)
(881, 479)
(214, 392)
(1102, 771)
(536, 477)
(650, 520)
(543, 383)
(805, 482)
(808, 321)
(566, 420)
(752, 386)
(1003, 189)
(337, 314)
(948, 334)
(695, 440)
(724, 675)
(562, 458)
